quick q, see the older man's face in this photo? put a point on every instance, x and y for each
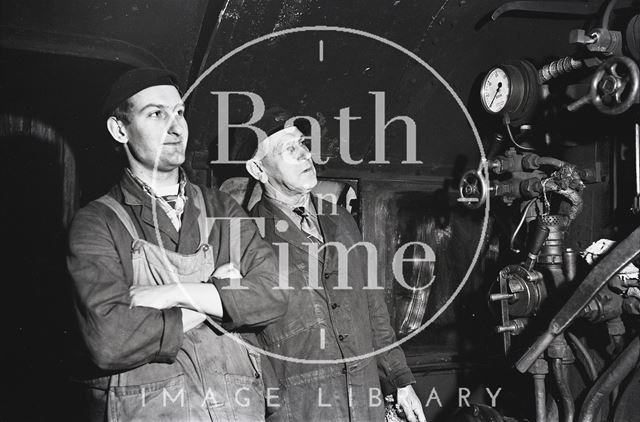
(288, 163)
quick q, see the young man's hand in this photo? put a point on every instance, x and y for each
(411, 405)
(191, 319)
(163, 297)
(160, 297)
(199, 297)
(227, 271)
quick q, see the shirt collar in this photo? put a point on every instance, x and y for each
(182, 181)
(281, 200)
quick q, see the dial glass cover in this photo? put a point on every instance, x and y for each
(495, 90)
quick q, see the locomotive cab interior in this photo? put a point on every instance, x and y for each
(505, 135)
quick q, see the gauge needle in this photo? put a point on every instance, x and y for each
(496, 94)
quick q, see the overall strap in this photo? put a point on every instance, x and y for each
(117, 207)
(202, 217)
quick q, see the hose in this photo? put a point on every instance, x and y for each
(561, 376)
(609, 379)
(576, 202)
(566, 182)
(582, 350)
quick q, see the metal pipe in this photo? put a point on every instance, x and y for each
(502, 296)
(606, 16)
(515, 233)
(626, 410)
(609, 266)
(609, 379)
(550, 161)
(541, 398)
(561, 376)
(570, 264)
(582, 350)
(561, 7)
(637, 148)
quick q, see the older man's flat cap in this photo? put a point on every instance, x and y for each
(134, 81)
(274, 119)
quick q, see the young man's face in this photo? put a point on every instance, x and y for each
(157, 129)
(288, 163)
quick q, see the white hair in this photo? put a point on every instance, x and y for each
(267, 144)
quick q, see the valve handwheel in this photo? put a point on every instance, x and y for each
(612, 91)
(473, 189)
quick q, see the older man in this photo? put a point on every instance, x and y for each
(323, 322)
(150, 258)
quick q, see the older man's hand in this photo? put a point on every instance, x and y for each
(411, 405)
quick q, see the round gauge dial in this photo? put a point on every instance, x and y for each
(495, 91)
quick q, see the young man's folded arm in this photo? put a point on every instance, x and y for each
(258, 301)
(118, 337)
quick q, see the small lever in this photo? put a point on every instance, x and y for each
(578, 36)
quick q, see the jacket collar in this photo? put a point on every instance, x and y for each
(135, 195)
(295, 237)
(190, 217)
(326, 220)
(292, 235)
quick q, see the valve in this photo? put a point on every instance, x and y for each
(611, 91)
(520, 294)
(473, 189)
(599, 40)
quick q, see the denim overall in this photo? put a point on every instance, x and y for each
(214, 377)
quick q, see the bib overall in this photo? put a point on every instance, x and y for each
(214, 377)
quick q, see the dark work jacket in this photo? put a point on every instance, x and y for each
(118, 338)
(327, 324)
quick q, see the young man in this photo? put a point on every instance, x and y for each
(150, 259)
(325, 320)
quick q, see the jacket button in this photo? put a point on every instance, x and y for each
(327, 275)
(205, 247)
(344, 370)
(334, 305)
(341, 337)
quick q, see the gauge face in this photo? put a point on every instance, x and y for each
(495, 91)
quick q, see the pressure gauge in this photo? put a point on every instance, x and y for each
(511, 90)
(496, 88)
